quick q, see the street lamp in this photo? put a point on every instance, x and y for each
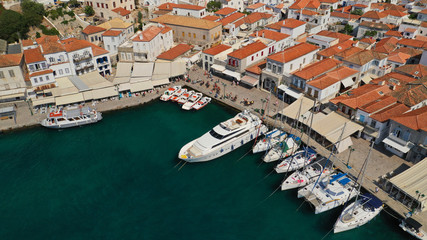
(223, 84)
(349, 154)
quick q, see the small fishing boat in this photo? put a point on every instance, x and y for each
(296, 161)
(413, 227)
(283, 149)
(178, 94)
(270, 140)
(167, 95)
(184, 97)
(72, 117)
(358, 213)
(192, 100)
(202, 103)
(309, 174)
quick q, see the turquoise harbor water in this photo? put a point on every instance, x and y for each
(119, 179)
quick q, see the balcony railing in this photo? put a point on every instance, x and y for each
(399, 140)
(82, 57)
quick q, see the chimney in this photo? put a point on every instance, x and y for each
(140, 36)
(263, 34)
(257, 33)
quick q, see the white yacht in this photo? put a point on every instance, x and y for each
(71, 118)
(177, 94)
(296, 161)
(202, 103)
(192, 100)
(358, 213)
(223, 138)
(329, 192)
(270, 140)
(309, 174)
(413, 227)
(283, 149)
(184, 97)
(168, 93)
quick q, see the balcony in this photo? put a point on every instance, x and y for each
(80, 57)
(84, 66)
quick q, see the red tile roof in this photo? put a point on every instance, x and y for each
(111, 33)
(216, 50)
(386, 45)
(257, 67)
(307, 12)
(374, 15)
(399, 57)
(412, 93)
(253, 18)
(269, 34)
(255, 6)
(247, 50)
(121, 11)
(363, 57)
(344, 15)
(33, 55)
(8, 60)
(92, 29)
(332, 77)
(361, 95)
(415, 70)
(346, 9)
(340, 47)
(188, 6)
(27, 42)
(393, 33)
(232, 18)
(389, 112)
(52, 47)
(211, 18)
(360, 5)
(410, 30)
(148, 34)
(415, 119)
(294, 52)
(395, 13)
(39, 73)
(47, 39)
(166, 6)
(394, 78)
(300, 4)
(342, 37)
(378, 104)
(226, 11)
(73, 44)
(410, 51)
(291, 23)
(317, 68)
(368, 40)
(175, 52)
(348, 52)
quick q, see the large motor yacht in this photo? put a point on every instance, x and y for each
(223, 138)
(71, 117)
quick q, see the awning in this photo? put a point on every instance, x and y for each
(347, 82)
(243, 27)
(119, 80)
(124, 69)
(301, 106)
(141, 86)
(366, 79)
(178, 68)
(124, 87)
(43, 101)
(104, 93)
(139, 79)
(142, 69)
(251, 81)
(343, 144)
(290, 92)
(230, 73)
(69, 99)
(396, 145)
(88, 95)
(94, 80)
(218, 68)
(160, 82)
(331, 127)
(162, 69)
(10, 96)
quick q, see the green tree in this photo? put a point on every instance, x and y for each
(89, 11)
(33, 12)
(413, 16)
(73, 3)
(47, 31)
(12, 26)
(370, 33)
(213, 6)
(357, 12)
(140, 20)
(348, 29)
(38, 35)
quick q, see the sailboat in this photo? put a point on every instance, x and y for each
(361, 210)
(283, 150)
(270, 140)
(296, 161)
(308, 175)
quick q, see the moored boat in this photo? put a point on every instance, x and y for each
(270, 140)
(283, 149)
(296, 161)
(184, 97)
(167, 95)
(223, 138)
(71, 118)
(178, 94)
(191, 101)
(413, 227)
(202, 103)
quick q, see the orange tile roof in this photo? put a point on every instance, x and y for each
(346, 9)
(313, 4)
(368, 40)
(317, 68)
(374, 15)
(410, 51)
(415, 70)
(253, 18)
(255, 6)
(52, 47)
(39, 73)
(395, 13)
(300, 4)
(73, 44)
(399, 57)
(211, 18)
(269, 34)
(97, 51)
(340, 47)
(413, 43)
(121, 11)
(424, 24)
(424, 11)
(294, 52)
(394, 78)
(344, 15)
(415, 119)
(348, 52)
(329, 1)
(386, 45)
(393, 33)
(360, 5)
(27, 42)
(342, 37)
(363, 57)
(188, 6)
(148, 34)
(186, 21)
(47, 39)
(421, 38)
(247, 50)
(280, 5)
(92, 29)
(412, 93)
(361, 95)
(175, 52)
(33, 55)
(307, 12)
(410, 30)
(226, 11)
(378, 104)
(332, 77)
(111, 33)
(389, 112)
(166, 6)
(232, 18)
(216, 50)
(377, 25)
(8, 60)
(257, 67)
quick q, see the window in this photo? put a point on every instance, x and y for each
(108, 47)
(406, 135)
(189, 35)
(211, 59)
(41, 79)
(47, 78)
(51, 59)
(279, 69)
(31, 68)
(183, 34)
(290, 67)
(204, 37)
(44, 65)
(35, 80)
(60, 72)
(303, 60)
(97, 4)
(114, 4)
(268, 65)
(194, 35)
(274, 68)
(67, 70)
(106, 6)
(11, 73)
(262, 53)
(102, 5)
(252, 58)
(397, 132)
(206, 58)
(1, 74)
(376, 63)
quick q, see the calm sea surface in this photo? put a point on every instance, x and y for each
(119, 179)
